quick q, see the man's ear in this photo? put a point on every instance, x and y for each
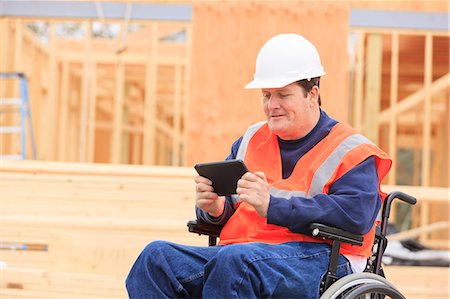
(314, 94)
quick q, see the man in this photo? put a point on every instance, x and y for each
(304, 167)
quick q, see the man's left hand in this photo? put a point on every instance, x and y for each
(253, 189)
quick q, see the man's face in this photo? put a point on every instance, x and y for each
(290, 114)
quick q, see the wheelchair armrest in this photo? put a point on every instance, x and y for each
(333, 233)
(203, 228)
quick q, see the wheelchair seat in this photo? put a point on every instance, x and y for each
(357, 285)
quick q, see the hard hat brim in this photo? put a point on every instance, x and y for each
(274, 83)
(267, 84)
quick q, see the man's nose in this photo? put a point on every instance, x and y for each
(273, 103)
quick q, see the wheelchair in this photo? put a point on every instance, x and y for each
(371, 283)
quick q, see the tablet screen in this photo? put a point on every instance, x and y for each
(223, 174)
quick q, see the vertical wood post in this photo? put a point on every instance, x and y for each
(92, 100)
(186, 95)
(426, 129)
(393, 107)
(50, 121)
(359, 79)
(151, 71)
(373, 86)
(63, 136)
(86, 85)
(116, 140)
(176, 138)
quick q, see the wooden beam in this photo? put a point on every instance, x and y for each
(86, 85)
(187, 93)
(359, 83)
(116, 140)
(176, 140)
(373, 85)
(416, 98)
(387, 31)
(151, 73)
(63, 137)
(74, 118)
(18, 47)
(416, 232)
(4, 48)
(426, 129)
(447, 131)
(90, 146)
(135, 58)
(393, 104)
(18, 67)
(49, 153)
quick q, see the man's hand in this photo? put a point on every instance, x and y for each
(206, 199)
(253, 189)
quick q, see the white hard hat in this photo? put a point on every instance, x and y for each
(284, 59)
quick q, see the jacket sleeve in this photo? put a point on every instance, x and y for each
(228, 207)
(352, 203)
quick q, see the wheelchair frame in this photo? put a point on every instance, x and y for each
(371, 282)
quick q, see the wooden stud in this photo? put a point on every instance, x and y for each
(5, 41)
(186, 95)
(85, 93)
(176, 139)
(116, 140)
(15, 146)
(73, 152)
(416, 156)
(426, 129)
(92, 103)
(359, 81)
(446, 152)
(18, 48)
(393, 106)
(136, 156)
(126, 136)
(373, 86)
(63, 113)
(151, 71)
(49, 123)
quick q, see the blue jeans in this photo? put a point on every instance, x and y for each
(249, 270)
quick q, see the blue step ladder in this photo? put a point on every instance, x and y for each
(13, 106)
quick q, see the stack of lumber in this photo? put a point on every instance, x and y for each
(72, 230)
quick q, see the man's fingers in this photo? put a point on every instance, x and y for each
(254, 176)
(261, 175)
(207, 195)
(201, 187)
(200, 179)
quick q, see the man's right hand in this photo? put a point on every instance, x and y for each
(206, 199)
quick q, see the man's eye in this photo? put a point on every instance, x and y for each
(284, 95)
(266, 96)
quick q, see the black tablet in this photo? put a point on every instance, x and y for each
(223, 174)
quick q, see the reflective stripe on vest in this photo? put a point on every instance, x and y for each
(328, 167)
(243, 149)
(246, 139)
(287, 194)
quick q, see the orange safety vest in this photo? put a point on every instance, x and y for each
(341, 150)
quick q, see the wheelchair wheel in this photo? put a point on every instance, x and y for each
(347, 284)
(373, 290)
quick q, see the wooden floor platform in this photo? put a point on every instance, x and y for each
(84, 226)
(420, 282)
